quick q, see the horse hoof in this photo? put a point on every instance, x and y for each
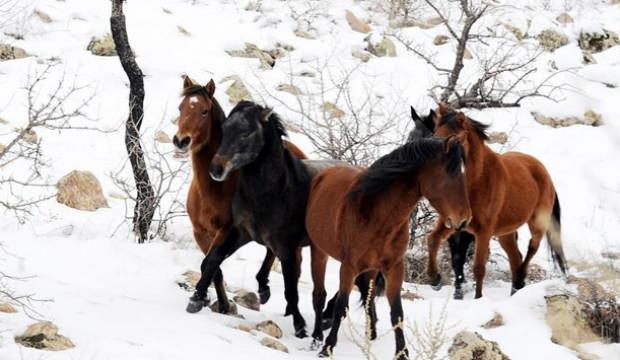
(316, 344)
(301, 333)
(458, 294)
(327, 323)
(326, 352)
(264, 295)
(513, 290)
(373, 335)
(195, 305)
(436, 283)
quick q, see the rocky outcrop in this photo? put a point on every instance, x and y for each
(594, 42)
(81, 190)
(469, 345)
(551, 40)
(44, 336)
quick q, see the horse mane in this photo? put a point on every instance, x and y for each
(274, 122)
(406, 160)
(450, 119)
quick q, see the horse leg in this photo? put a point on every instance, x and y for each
(319, 265)
(394, 277)
(434, 241)
(459, 244)
(511, 247)
(368, 291)
(480, 261)
(210, 266)
(290, 273)
(537, 235)
(328, 313)
(347, 277)
(262, 277)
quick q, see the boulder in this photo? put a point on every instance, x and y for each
(564, 18)
(237, 90)
(496, 321)
(440, 40)
(469, 345)
(273, 344)
(551, 40)
(6, 307)
(598, 41)
(247, 299)
(267, 61)
(232, 308)
(357, 24)
(44, 336)
(9, 52)
(81, 190)
(362, 55)
(270, 328)
(385, 47)
(569, 325)
(102, 46)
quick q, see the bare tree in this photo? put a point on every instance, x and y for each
(145, 204)
(506, 63)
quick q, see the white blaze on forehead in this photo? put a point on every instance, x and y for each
(193, 100)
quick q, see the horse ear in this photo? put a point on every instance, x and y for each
(265, 114)
(210, 87)
(414, 115)
(187, 82)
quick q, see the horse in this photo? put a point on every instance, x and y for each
(269, 205)
(209, 202)
(505, 191)
(459, 242)
(361, 217)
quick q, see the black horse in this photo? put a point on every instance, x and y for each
(269, 206)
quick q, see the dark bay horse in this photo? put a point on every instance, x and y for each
(360, 217)
(269, 205)
(505, 191)
(208, 201)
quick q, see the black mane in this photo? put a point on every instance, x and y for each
(406, 160)
(450, 119)
(256, 110)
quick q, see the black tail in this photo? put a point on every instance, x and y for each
(554, 237)
(363, 283)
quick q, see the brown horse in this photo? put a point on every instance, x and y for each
(361, 217)
(209, 201)
(505, 191)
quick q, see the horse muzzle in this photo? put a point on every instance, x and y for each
(220, 168)
(181, 143)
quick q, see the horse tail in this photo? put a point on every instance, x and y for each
(364, 283)
(554, 237)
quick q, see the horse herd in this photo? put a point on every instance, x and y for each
(249, 184)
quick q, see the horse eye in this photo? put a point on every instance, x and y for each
(205, 113)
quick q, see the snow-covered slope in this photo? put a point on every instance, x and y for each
(118, 300)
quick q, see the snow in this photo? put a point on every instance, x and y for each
(118, 300)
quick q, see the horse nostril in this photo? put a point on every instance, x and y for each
(185, 142)
(181, 143)
(216, 170)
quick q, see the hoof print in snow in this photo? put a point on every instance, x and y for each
(274, 344)
(103, 46)
(44, 336)
(357, 24)
(81, 190)
(231, 310)
(270, 328)
(469, 345)
(496, 321)
(247, 299)
(6, 307)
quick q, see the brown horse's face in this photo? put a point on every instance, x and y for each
(445, 186)
(195, 120)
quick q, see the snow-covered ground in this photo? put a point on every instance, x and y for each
(118, 300)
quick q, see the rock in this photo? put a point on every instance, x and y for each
(247, 299)
(425, 24)
(267, 61)
(3, 121)
(291, 89)
(237, 90)
(42, 16)
(536, 274)
(31, 137)
(518, 34)
(614, 2)
(467, 55)
(189, 280)
(232, 310)
(81, 190)
(612, 255)
(496, 321)
(362, 55)
(357, 24)
(270, 328)
(304, 35)
(273, 344)
(162, 137)
(166, 11)
(6, 307)
(44, 336)
(383, 48)
(569, 326)
(306, 73)
(9, 52)
(551, 40)
(440, 40)
(245, 327)
(2, 148)
(590, 118)
(564, 18)
(498, 137)
(103, 46)
(410, 295)
(597, 42)
(183, 30)
(588, 58)
(333, 110)
(469, 345)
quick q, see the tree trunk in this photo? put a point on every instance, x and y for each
(145, 199)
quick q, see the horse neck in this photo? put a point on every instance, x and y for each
(269, 168)
(396, 202)
(201, 159)
(478, 159)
